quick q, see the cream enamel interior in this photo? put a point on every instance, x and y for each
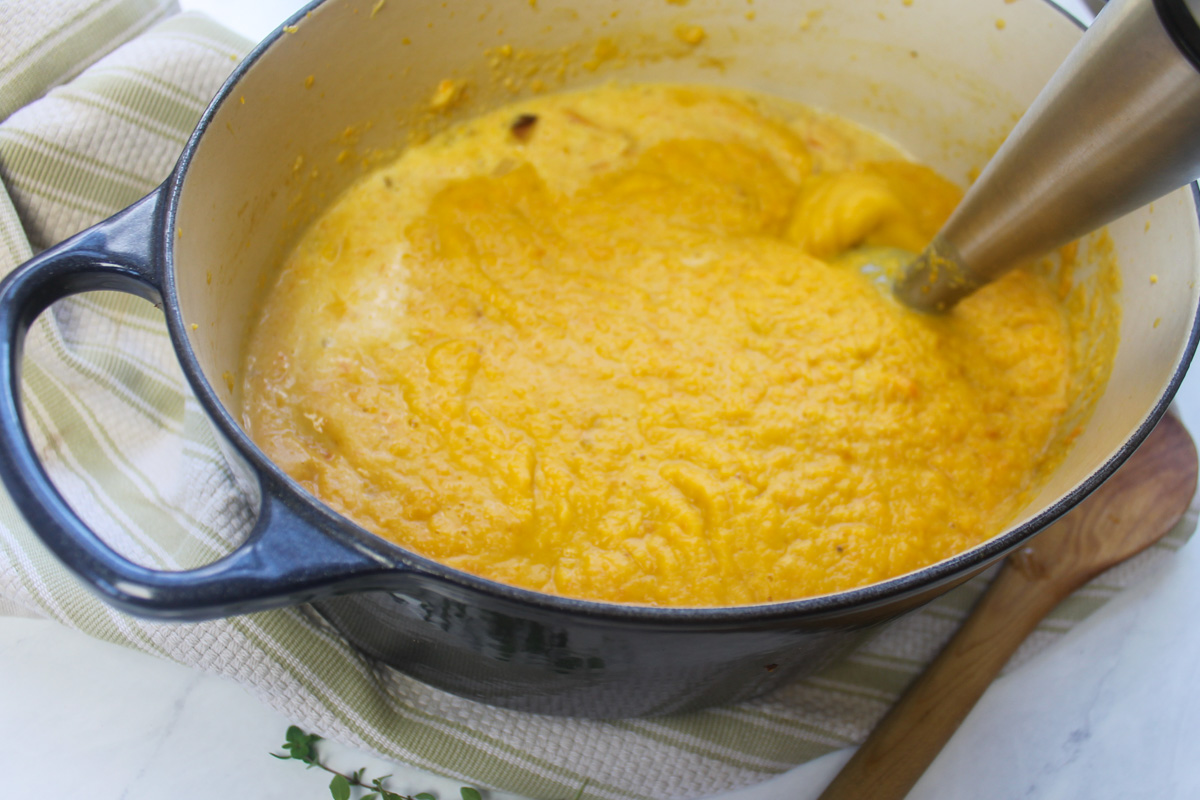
(250, 186)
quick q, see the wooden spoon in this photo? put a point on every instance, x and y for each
(1136, 507)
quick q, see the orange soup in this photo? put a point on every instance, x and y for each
(626, 344)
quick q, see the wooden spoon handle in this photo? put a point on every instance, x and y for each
(1133, 509)
(913, 732)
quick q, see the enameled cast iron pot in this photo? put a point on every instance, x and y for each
(942, 77)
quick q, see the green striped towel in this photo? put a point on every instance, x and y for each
(96, 100)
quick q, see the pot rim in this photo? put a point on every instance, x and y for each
(962, 564)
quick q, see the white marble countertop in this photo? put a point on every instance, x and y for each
(1110, 711)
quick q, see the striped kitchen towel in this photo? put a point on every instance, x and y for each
(96, 100)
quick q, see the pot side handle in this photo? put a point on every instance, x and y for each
(286, 560)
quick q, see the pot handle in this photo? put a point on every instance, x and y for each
(286, 560)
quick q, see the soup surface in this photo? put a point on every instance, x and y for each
(620, 345)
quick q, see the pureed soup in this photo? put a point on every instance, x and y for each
(621, 345)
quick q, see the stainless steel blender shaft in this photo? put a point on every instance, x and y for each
(1117, 126)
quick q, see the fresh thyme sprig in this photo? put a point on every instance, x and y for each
(301, 746)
